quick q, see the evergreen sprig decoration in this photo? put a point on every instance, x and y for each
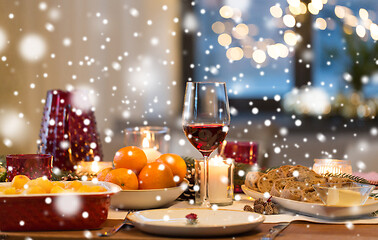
(349, 176)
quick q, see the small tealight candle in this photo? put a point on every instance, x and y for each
(92, 167)
(332, 166)
(151, 153)
(220, 184)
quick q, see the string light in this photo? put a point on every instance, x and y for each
(260, 50)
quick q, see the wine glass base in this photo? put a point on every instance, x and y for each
(205, 204)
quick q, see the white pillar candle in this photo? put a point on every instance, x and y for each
(218, 183)
(151, 153)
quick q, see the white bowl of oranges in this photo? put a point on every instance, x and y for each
(145, 185)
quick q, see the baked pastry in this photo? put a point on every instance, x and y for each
(292, 193)
(279, 185)
(291, 182)
(265, 183)
(251, 180)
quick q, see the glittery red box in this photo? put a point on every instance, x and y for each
(41, 212)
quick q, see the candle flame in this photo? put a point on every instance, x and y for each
(145, 143)
(95, 167)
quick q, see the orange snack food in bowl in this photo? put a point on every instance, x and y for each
(74, 185)
(11, 190)
(19, 181)
(177, 165)
(102, 174)
(45, 184)
(130, 157)
(123, 177)
(156, 175)
(35, 190)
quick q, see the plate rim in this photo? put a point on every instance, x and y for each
(260, 219)
(185, 182)
(318, 204)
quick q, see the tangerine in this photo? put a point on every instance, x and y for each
(102, 174)
(156, 175)
(123, 177)
(177, 165)
(19, 181)
(44, 183)
(11, 190)
(130, 157)
(35, 190)
(74, 185)
(58, 189)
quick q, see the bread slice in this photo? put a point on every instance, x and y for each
(251, 180)
(265, 182)
(279, 185)
(292, 193)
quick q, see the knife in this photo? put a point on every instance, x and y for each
(274, 231)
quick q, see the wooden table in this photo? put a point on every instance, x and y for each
(296, 231)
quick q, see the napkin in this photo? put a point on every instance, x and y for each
(372, 177)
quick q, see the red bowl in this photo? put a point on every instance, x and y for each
(41, 212)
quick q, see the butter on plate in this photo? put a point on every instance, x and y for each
(343, 197)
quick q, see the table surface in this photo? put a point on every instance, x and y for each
(296, 230)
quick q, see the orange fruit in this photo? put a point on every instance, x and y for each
(156, 175)
(177, 165)
(19, 181)
(123, 177)
(58, 189)
(11, 190)
(102, 174)
(98, 189)
(74, 185)
(44, 183)
(84, 189)
(35, 190)
(130, 157)
(59, 184)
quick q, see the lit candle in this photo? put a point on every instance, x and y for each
(151, 153)
(332, 166)
(92, 167)
(219, 182)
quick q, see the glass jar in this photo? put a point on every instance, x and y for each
(220, 184)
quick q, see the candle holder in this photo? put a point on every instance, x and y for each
(220, 184)
(244, 152)
(333, 166)
(30, 165)
(152, 140)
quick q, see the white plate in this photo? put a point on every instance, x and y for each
(172, 222)
(147, 199)
(317, 209)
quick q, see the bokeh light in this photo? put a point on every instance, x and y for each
(235, 53)
(3, 40)
(259, 56)
(276, 11)
(290, 38)
(218, 27)
(226, 12)
(32, 47)
(320, 23)
(224, 39)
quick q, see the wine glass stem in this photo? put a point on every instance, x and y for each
(205, 200)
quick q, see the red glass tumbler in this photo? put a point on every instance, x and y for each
(31, 165)
(242, 152)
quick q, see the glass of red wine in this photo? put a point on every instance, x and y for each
(206, 120)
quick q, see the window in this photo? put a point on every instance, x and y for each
(245, 78)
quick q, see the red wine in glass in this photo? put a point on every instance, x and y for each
(205, 121)
(206, 137)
